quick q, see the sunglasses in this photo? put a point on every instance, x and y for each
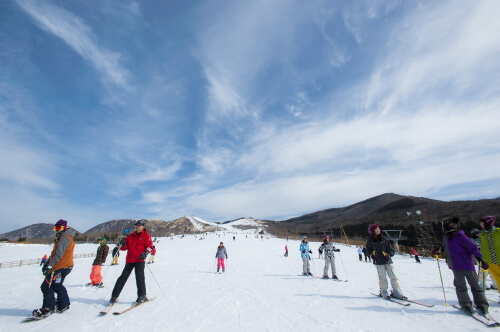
(59, 228)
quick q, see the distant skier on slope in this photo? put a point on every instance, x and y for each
(382, 252)
(220, 256)
(360, 253)
(304, 253)
(138, 245)
(414, 252)
(55, 270)
(329, 250)
(286, 251)
(100, 258)
(459, 250)
(116, 254)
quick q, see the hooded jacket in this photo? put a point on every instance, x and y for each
(380, 247)
(136, 244)
(304, 249)
(459, 250)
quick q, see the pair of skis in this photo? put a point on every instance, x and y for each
(106, 310)
(485, 319)
(338, 280)
(405, 303)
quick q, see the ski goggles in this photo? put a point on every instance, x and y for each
(59, 228)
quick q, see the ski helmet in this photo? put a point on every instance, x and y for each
(450, 224)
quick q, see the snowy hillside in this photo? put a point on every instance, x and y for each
(261, 291)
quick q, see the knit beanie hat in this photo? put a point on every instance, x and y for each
(61, 222)
(489, 220)
(371, 229)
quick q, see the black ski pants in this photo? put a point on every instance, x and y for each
(49, 289)
(139, 279)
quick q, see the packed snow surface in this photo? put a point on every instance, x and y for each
(261, 291)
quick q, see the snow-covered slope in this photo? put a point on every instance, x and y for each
(261, 291)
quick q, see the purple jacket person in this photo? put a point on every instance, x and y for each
(459, 250)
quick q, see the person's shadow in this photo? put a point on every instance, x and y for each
(15, 312)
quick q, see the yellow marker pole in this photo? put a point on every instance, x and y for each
(441, 276)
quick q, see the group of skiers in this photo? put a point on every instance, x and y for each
(60, 263)
(462, 254)
(327, 248)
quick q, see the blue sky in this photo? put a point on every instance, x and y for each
(223, 109)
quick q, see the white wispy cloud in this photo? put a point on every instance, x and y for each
(405, 137)
(78, 35)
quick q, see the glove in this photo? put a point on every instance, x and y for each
(483, 263)
(122, 243)
(337, 250)
(46, 270)
(303, 251)
(374, 257)
(310, 251)
(143, 256)
(386, 257)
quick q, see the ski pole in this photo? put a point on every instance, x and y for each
(479, 275)
(155, 279)
(441, 276)
(342, 261)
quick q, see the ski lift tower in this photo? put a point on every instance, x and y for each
(395, 236)
(426, 237)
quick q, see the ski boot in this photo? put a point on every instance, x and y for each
(483, 310)
(468, 309)
(62, 309)
(309, 274)
(326, 277)
(399, 296)
(334, 277)
(113, 300)
(141, 299)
